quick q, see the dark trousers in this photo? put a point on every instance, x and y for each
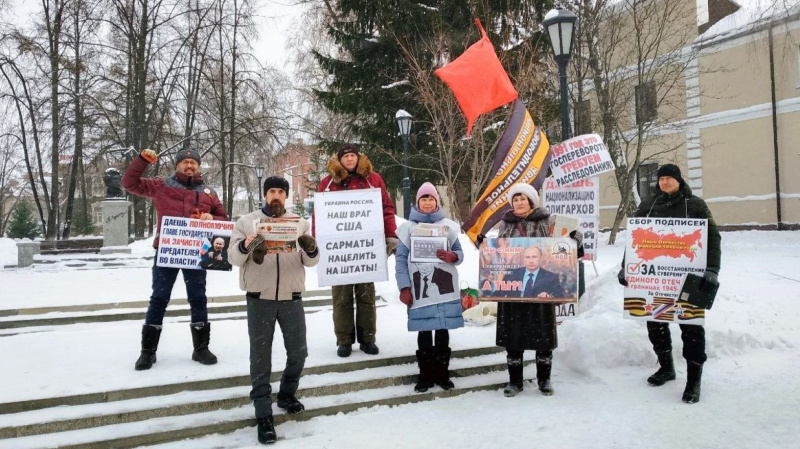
(363, 328)
(262, 314)
(163, 280)
(425, 339)
(693, 336)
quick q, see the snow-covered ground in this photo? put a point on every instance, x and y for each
(751, 391)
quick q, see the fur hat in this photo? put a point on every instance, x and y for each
(525, 189)
(671, 170)
(428, 189)
(276, 182)
(187, 153)
(347, 148)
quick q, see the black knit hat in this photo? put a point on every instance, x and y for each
(347, 148)
(187, 153)
(672, 171)
(276, 182)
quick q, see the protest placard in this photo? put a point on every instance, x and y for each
(580, 199)
(194, 244)
(579, 158)
(658, 255)
(349, 230)
(566, 312)
(529, 270)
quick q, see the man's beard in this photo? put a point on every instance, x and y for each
(276, 207)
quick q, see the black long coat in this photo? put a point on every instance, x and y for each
(520, 325)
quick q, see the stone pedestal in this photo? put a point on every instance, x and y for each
(25, 253)
(115, 226)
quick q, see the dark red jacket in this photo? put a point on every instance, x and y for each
(176, 196)
(363, 178)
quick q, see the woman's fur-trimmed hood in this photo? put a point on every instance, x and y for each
(339, 173)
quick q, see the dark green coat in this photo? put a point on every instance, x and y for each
(682, 204)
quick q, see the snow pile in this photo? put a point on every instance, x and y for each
(8, 252)
(143, 247)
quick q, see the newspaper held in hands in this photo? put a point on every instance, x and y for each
(279, 234)
(429, 230)
(564, 225)
(278, 229)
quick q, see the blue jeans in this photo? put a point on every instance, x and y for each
(163, 280)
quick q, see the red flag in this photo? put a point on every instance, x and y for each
(478, 80)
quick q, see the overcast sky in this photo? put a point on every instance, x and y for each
(275, 20)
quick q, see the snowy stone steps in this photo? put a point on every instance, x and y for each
(58, 318)
(226, 382)
(173, 428)
(308, 295)
(186, 403)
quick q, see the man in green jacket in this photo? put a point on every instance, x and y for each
(674, 199)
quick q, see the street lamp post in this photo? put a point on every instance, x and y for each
(560, 25)
(259, 173)
(404, 123)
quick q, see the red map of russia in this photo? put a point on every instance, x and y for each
(649, 244)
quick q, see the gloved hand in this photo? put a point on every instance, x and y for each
(446, 256)
(621, 278)
(307, 243)
(258, 248)
(391, 246)
(479, 239)
(405, 296)
(711, 277)
(578, 237)
(149, 155)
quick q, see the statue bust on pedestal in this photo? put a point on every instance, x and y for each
(113, 182)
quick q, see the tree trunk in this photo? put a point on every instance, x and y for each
(54, 36)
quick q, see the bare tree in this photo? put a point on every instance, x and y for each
(636, 54)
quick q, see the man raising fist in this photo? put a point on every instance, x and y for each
(181, 195)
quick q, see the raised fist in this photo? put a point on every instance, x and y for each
(149, 155)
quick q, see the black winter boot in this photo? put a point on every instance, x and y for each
(442, 368)
(544, 364)
(290, 403)
(150, 336)
(201, 334)
(266, 431)
(344, 350)
(369, 348)
(665, 373)
(694, 371)
(514, 377)
(427, 370)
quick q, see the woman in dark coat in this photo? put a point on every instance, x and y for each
(527, 326)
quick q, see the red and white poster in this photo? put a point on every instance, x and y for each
(579, 158)
(660, 252)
